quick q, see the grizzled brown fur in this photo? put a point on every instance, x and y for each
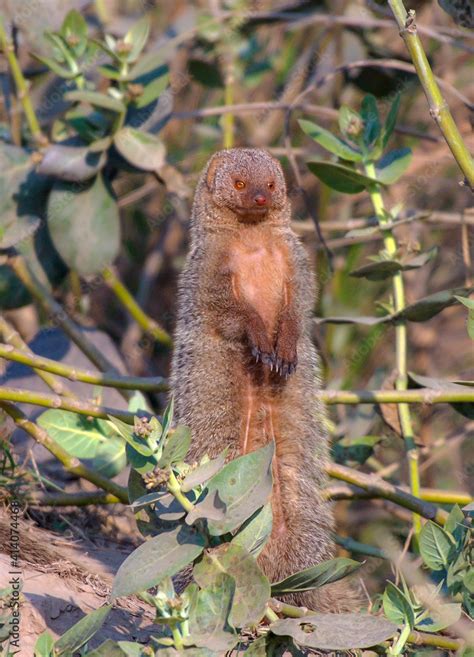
(245, 370)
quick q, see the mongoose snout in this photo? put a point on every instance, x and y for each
(245, 371)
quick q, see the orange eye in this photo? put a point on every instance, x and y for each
(271, 185)
(239, 184)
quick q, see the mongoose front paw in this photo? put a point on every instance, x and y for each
(266, 357)
(285, 367)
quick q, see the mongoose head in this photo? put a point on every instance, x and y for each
(247, 181)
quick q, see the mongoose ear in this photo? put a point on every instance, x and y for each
(211, 171)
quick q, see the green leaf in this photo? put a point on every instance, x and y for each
(390, 121)
(244, 485)
(397, 607)
(255, 531)
(455, 518)
(429, 306)
(210, 508)
(382, 269)
(151, 91)
(469, 303)
(336, 631)
(81, 632)
(16, 229)
(435, 546)
(370, 115)
(83, 221)
(141, 149)
(159, 557)
(208, 617)
(137, 37)
(44, 645)
(97, 99)
(440, 618)
(357, 449)
(252, 588)
(75, 27)
(55, 67)
(203, 473)
(339, 177)
(393, 165)
(377, 271)
(176, 446)
(316, 576)
(150, 62)
(138, 443)
(330, 142)
(206, 73)
(85, 438)
(167, 418)
(71, 163)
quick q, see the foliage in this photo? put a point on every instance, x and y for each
(206, 523)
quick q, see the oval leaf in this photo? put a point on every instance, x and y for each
(84, 225)
(208, 617)
(336, 631)
(339, 177)
(330, 142)
(81, 632)
(71, 163)
(252, 588)
(316, 576)
(393, 165)
(97, 99)
(244, 485)
(397, 607)
(255, 532)
(435, 546)
(160, 557)
(141, 149)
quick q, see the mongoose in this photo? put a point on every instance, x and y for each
(244, 368)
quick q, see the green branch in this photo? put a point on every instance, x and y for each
(439, 108)
(143, 320)
(418, 396)
(381, 488)
(58, 315)
(21, 87)
(400, 343)
(39, 363)
(14, 339)
(71, 499)
(71, 464)
(345, 492)
(64, 403)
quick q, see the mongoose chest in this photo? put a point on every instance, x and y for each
(260, 269)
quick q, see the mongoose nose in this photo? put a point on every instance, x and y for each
(260, 199)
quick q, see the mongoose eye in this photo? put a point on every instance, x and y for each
(271, 185)
(239, 184)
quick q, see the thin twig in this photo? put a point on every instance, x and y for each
(58, 315)
(21, 87)
(381, 488)
(17, 343)
(143, 320)
(417, 396)
(64, 403)
(347, 492)
(155, 384)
